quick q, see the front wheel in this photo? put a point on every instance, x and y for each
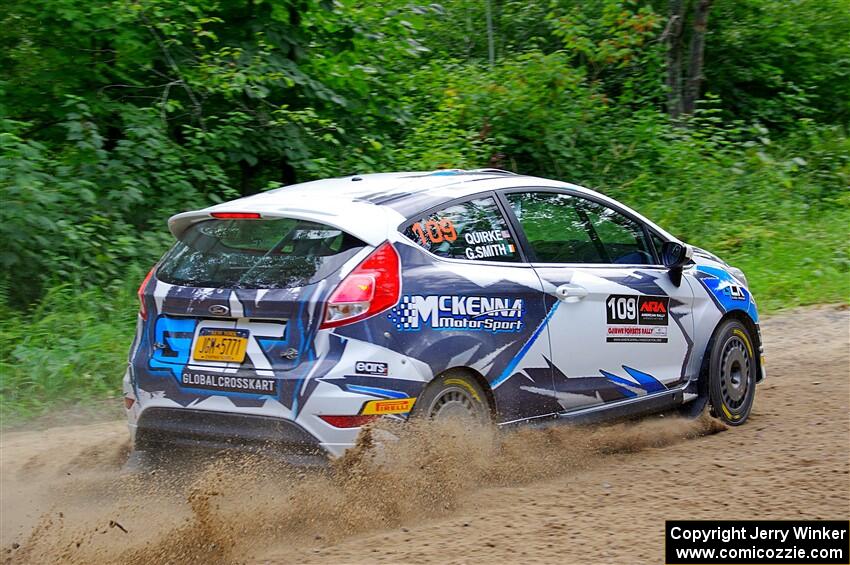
(732, 373)
(454, 395)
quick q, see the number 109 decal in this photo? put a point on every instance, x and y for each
(642, 310)
(621, 309)
(624, 311)
(435, 231)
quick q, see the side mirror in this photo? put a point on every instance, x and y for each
(675, 255)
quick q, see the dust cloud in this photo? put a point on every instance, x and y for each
(230, 508)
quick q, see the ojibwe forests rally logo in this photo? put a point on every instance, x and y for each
(443, 312)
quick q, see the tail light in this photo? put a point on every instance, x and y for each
(143, 309)
(236, 215)
(347, 421)
(372, 287)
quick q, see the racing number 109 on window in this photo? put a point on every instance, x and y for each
(435, 231)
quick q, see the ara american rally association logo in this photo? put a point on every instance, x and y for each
(476, 313)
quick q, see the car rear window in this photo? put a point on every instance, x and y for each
(278, 253)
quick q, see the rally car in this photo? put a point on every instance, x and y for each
(291, 318)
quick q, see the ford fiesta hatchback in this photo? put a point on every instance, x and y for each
(293, 317)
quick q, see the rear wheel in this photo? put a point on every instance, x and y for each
(732, 373)
(454, 395)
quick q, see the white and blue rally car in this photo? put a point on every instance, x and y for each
(293, 317)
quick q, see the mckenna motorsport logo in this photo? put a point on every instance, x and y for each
(476, 313)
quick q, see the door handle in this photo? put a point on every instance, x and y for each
(570, 292)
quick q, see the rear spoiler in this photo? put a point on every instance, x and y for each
(370, 223)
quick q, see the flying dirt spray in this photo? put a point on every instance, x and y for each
(234, 508)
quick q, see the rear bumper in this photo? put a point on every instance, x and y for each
(293, 420)
(205, 429)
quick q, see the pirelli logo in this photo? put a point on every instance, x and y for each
(393, 406)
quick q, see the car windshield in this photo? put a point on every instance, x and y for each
(278, 253)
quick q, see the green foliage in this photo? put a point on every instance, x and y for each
(71, 347)
(615, 42)
(763, 207)
(777, 61)
(116, 114)
(77, 215)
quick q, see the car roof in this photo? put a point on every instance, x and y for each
(405, 192)
(368, 205)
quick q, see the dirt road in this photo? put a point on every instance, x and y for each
(596, 495)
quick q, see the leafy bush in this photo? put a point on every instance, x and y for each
(82, 215)
(72, 346)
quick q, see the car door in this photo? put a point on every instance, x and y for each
(471, 300)
(619, 328)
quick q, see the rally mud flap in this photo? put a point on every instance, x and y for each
(696, 407)
(172, 436)
(145, 461)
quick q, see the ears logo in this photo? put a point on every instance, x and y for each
(473, 313)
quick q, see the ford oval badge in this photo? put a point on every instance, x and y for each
(219, 310)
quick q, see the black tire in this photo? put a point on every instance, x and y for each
(732, 373)
(454, 394)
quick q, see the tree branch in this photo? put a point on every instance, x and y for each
(169, 60)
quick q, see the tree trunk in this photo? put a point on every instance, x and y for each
(246, 178)
(697, 48)
(491, 45)
(673, 37)
(288, 175)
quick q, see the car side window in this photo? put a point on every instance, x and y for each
(622, 238)
(562, 228)
(658, 242)
(473, 230)
(553, 228)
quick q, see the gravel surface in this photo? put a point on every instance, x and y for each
(596, 495)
